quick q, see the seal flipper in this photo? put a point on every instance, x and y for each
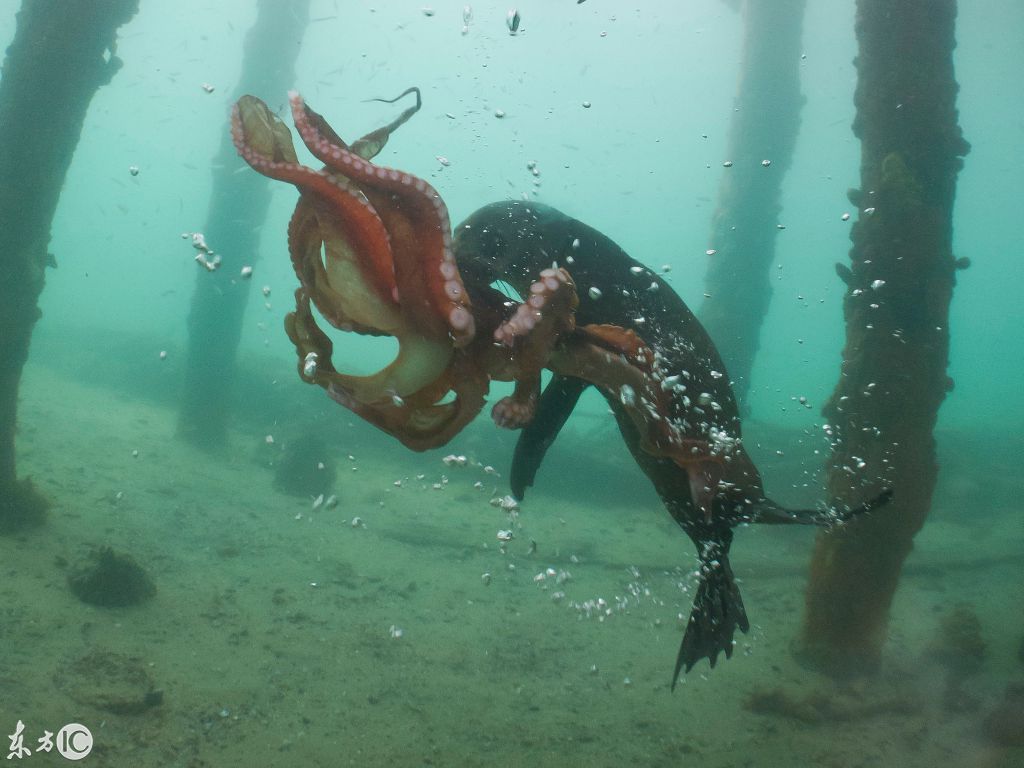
(767, 511)
(554, 405)
(717, 609)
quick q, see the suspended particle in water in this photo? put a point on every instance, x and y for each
(309, 365)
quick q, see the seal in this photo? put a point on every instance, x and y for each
(512, 241)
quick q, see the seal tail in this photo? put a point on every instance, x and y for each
(717, 611)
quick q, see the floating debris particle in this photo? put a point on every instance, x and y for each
(512, 20)
(508, 503)
(198, 241)
(133, 170)
(207, 87)
(209, 264)
(309, 365)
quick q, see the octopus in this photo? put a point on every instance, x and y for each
(372, 249)
(374, 253)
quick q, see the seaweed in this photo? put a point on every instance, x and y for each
(111, 579)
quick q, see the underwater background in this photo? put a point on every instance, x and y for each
(391, 629)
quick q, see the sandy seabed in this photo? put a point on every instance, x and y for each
(271, 639)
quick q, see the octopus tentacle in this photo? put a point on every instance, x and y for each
(419, 365)
(413, 213)
(420, 423)
(362, 230)
(372, 143)
(533, 330)
(620, 362)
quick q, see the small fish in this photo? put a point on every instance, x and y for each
(513, 20)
